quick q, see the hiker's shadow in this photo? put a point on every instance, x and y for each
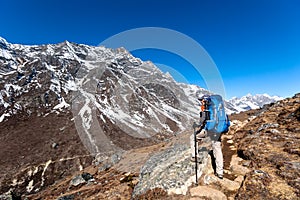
(213, 160)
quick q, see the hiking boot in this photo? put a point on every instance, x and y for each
(220, 176)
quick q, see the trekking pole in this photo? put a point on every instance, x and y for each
(196, 152)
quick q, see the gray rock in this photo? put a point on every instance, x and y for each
(104, 166)
(67, 197)
(6, 197)
(77, 180)
(105, 161)
(266, 126)
(170, 170)
(54, 145)
(246, 163)
(87, 176)
(115, 158)
(275, 131)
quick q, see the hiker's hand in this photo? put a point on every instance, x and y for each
(201, 133)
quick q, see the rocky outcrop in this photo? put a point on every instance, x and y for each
(170, 170)
(271, 142)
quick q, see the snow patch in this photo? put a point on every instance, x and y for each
(30, 186)
(3, 117)
(70, 86)
(43, 173)
(61, 105)
(102, 118)
(5, 54)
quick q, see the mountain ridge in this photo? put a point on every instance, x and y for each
(249, 102)
(75, 52)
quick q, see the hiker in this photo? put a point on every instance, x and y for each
(211, 125)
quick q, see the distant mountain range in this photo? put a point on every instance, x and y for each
(248, 102)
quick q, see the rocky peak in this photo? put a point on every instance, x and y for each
(3, 43)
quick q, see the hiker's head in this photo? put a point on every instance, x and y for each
(203, 99)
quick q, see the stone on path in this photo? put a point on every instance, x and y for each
(207, 192)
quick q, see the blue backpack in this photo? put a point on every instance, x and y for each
(218, 121)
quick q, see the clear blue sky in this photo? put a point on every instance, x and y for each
(255, 44)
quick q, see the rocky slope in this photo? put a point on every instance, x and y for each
(261, 161)
(271, 143)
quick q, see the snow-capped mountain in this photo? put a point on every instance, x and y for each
(134, 94)
(249, 102)
(108, 91)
